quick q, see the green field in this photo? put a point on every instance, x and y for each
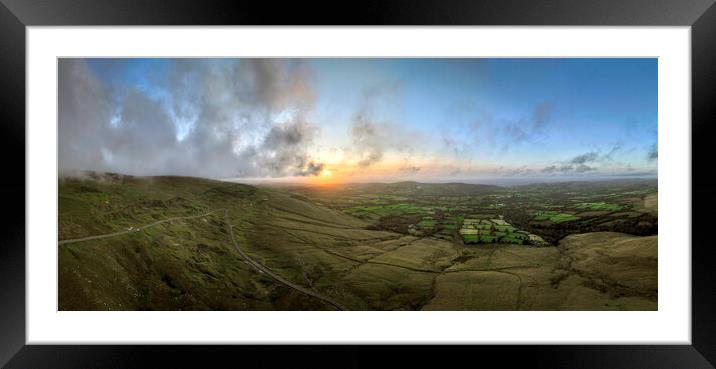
(555, 217)
(476, 231)
(470, 238)
(166, 245)
(598, 206)
(386, 209)
(425, 223)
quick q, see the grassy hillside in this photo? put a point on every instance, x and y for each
(593, 271)
(184, 264)
(192, 264)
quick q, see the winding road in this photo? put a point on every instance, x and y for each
(133, 230)
(273, 275)
(256, 265)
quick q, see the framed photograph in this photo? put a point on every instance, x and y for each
(482, 174)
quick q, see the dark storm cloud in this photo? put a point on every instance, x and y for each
(311, 169)
(215, 119)
(282, 151)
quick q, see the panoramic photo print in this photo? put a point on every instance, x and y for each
(357, 184)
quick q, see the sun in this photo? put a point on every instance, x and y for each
(327, 177)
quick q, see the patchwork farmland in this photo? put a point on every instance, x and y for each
(172, 243)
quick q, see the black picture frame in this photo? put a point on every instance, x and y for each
(16, 15)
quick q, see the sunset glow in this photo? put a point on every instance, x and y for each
(359, 120)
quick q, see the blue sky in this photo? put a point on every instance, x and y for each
(361, 119)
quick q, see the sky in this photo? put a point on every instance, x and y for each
(360, 120)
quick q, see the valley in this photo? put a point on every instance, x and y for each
(183, 243)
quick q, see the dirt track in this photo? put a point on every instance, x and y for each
(256, 265)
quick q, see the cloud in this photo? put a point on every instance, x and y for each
(211, 118)
(541, 116)
(454, 171)
(653, 153)
(410, 169)
(83, 102)
(549, 169)
(371, 137)
(516, 132)
(583, 168)
(369, 140)
(95, 133)
(283, 151)
(585, 158)
(616, 147)
(516, 171)
(527, 129)
(454, 147)
(567, 168)
(577, 164)
(276, 83)
(381, 90)
(636, 174)
(482, 128)
(311, 169)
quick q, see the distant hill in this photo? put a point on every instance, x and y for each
(419, 188)
(634, 184)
